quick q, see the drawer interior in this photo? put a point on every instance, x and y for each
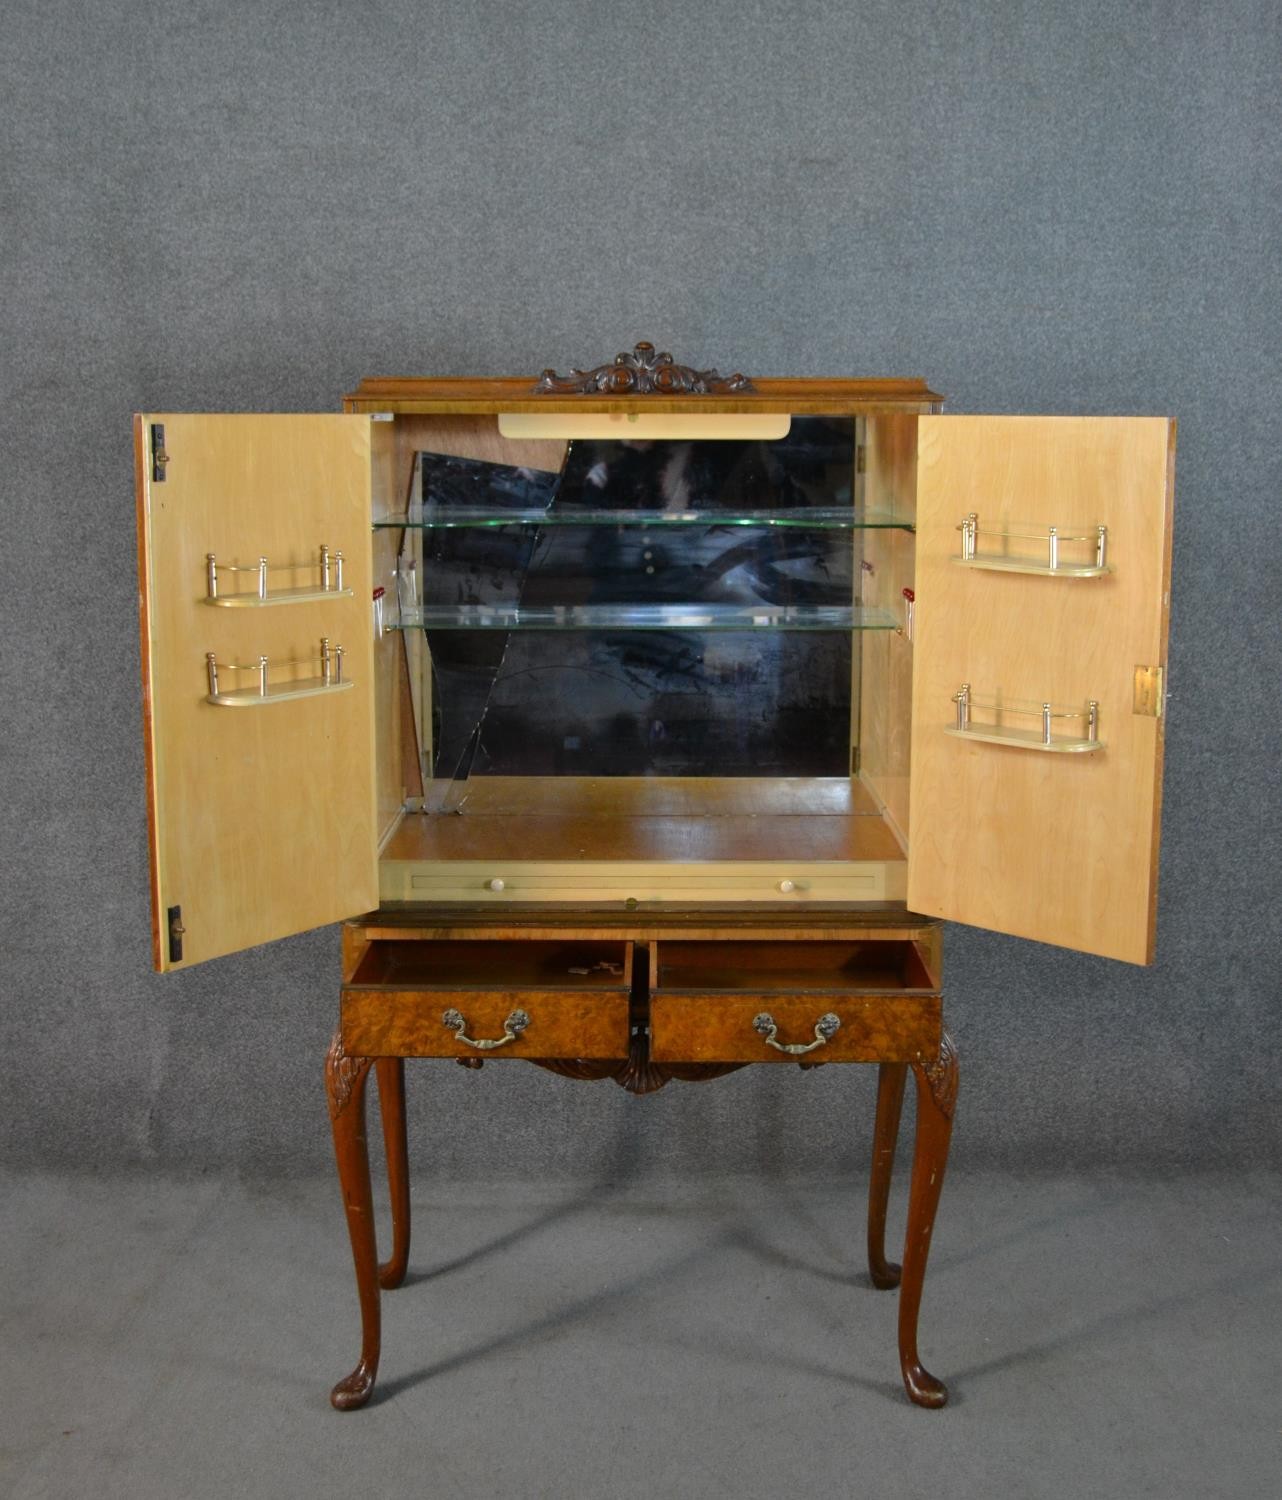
(790, 967)
(496, 965)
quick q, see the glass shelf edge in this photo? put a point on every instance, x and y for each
(816, 519)
(649, 617)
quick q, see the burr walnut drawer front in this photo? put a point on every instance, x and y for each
(489, 999)
(790, 1002)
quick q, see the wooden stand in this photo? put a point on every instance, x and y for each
(643, 1000)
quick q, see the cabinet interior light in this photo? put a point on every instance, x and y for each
(645, 425)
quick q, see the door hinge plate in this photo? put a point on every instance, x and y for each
(1150, 692)
(159, 458)
(176, 929)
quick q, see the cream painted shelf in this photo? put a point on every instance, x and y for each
(303, 687)
(1027, 565)
(1026, 739)
(278, 596)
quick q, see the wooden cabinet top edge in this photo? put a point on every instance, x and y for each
(446, 394)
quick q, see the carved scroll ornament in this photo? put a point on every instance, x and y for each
(641, 373)
(342, 1074)
(941, 1075)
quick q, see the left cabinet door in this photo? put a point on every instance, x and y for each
(259, 733)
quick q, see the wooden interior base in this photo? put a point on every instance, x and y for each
(639, 818)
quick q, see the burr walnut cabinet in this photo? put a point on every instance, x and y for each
(643, 723)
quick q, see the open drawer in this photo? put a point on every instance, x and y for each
(492, 999)
(875, 1001)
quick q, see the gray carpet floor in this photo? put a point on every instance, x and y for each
(1102, 1337)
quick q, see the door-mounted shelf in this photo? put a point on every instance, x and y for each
(1088, 550)
(264, 691)
(1035, 725)
(328, 582)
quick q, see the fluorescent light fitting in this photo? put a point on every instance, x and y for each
(642, 426)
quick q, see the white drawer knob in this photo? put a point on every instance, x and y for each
(494, 885)
(787, 886)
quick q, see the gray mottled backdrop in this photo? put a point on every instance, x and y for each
(1039, 207)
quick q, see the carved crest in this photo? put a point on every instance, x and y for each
(637, 1074)
(641, 373)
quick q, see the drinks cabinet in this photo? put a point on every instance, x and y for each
(643, 723)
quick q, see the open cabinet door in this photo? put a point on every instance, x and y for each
(261, 804)
(1041, 822)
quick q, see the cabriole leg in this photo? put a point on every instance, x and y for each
(391, 1105)
(345, 1079)
(936, 1097)
(891, 1077)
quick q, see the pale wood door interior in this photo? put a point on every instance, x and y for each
(1061, 847)
(262, 817)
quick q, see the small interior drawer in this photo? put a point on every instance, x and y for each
(777, 1002)
(489, 1000)
(791, 967)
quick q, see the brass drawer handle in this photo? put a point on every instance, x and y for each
(826, 1028)
(512, 1028)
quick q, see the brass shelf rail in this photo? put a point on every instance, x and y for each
(1035, 727)
(330, 680)
(1051, 564)
(328, 584)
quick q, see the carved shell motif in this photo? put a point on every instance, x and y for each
(641, 373)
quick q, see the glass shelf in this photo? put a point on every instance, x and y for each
(647, 617)
(812, 517)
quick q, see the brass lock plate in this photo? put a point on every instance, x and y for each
(1150, 691)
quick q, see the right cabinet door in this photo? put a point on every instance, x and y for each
(1043, 594)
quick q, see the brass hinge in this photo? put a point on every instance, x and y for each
(861, 459)
(1150, 692)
